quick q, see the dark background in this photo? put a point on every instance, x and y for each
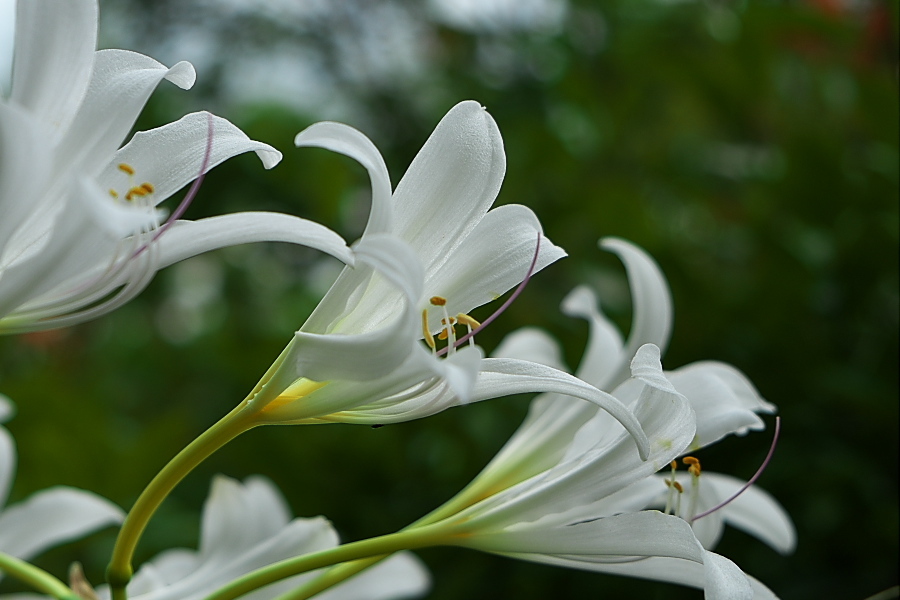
(751, 147)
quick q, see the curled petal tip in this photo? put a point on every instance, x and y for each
(183, 75)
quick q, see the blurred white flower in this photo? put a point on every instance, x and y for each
(49, 517)
(247, 526)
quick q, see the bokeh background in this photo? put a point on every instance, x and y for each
(751, 147)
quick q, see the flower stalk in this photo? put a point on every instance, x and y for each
(37, 578)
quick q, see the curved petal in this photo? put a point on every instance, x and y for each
(652, 300)
(374, 353)
(53, 57)
(664, 416)
(24, 172)
(755, 511)
(346, 140)
(723, 580)
(120, 84)
(185, 239)
(491, 260)
(52, 516)
(605, 350)
(450, 184)
(723, 398)
(237, 516)
(504, 377)
(648, 533)
(169, 157)
(7, 464)
(534, 345)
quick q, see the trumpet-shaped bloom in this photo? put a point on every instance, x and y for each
(79, 225)
(247, 526)
(431, 252)
(49, 517)
(560, 435)
(562, 507)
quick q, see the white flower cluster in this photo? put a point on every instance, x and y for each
(590, 480)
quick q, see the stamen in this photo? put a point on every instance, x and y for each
(753, 479)
(467, 321)
(429, 339)
(505, 305)
(147, 187)
(438, 301)
(126, 168)
(114, 193)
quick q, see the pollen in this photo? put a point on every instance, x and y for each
(438, 301)
(429, 339)
(694, 468)
(147, 187)
(114, 193)
(678, 487)
(468, 321)
(125, 167)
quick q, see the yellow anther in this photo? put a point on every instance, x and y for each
(137, 191)
(468, 321)
(674, 464)
(694, 470)
(126, 168)
(678, 487)
(147, 187)
(438, 301)
(690, 460)
(114, 193)
(452, 321)
(429, 339)
(443, 334)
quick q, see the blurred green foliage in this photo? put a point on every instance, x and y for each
(752, 148)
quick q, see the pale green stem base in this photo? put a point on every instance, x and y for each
(378, 548)
(119, 571)
(39, 579)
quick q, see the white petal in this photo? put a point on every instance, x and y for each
(531, 344)
(7, 464)
(491, 260)
(119, 219)
(185, 239)
(120, 84)
(652, 300)
(648, 533)
(450, 184)
(605, 351)
(52, 516)
(338, 137)
(724, 580)
(24, 171)
(169, 157)
(370, 354)
(53, 56)
(755, 511)
(723, 398)
(237, 516)
(665, 418)
(503, 377)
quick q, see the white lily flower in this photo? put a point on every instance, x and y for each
(554, 506)
(559, 428)
(80, 233)
(49, 517)
(360, 357)
(247, 526)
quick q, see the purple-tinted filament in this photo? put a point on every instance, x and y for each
(753, 479)
(504, 306)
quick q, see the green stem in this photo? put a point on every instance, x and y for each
(331, 577)
(119, 571)
(341, 572)
(365, 549)
(37, 578)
